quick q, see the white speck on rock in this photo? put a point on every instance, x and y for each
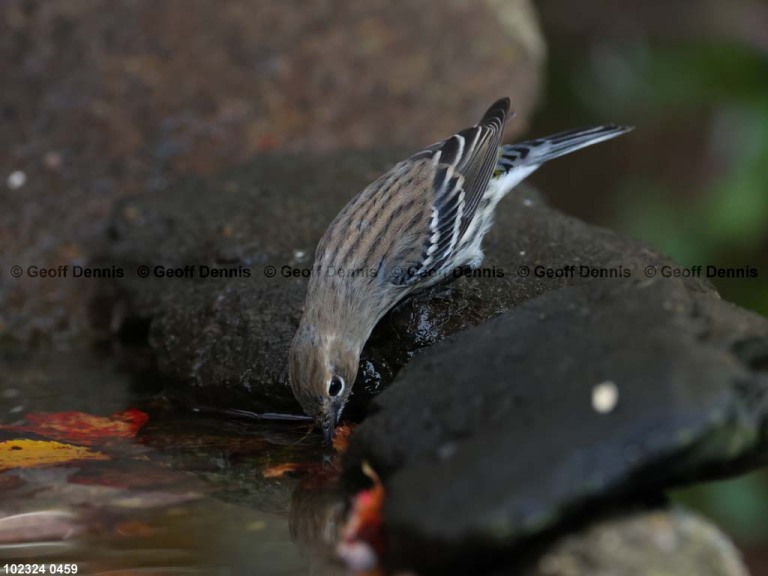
(527, 202)
(299, 255)
(16, 180)
(605, 396)
(522, 252)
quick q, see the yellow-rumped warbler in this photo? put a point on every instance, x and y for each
(407, 231)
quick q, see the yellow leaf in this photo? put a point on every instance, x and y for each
(28, 453)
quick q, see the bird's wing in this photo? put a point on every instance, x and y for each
(463, 166)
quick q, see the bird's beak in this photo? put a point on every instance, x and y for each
(329, 429)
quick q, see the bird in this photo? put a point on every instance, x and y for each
(404, 233)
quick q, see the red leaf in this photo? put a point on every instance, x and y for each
(82, 428)
(341, 437)
(362, 540)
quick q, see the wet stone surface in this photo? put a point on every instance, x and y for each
(225, 340)
(505, 431)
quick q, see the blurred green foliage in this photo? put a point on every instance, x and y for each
(697, 185)
(740, 506)
(725, 222)
(700, 190)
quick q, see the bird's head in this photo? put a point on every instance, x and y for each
(321, 371)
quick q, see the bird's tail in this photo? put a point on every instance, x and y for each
(535, 152)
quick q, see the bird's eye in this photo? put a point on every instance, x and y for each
(335, 386)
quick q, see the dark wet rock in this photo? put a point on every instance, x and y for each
(642, 543)
(225, 340)
(493, 435)
(101, 100)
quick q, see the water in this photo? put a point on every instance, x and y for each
(190, 494)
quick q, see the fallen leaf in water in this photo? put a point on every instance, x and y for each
(280, 470)
(82, 428)
(362, 538)
(341, 438)
(28, 453)
(135, 475)
(255, 526)
(135, 528)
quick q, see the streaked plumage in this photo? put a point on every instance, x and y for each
(405, 232)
